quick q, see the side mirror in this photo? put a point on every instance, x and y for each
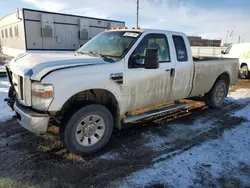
(151, 59)
(222, 52)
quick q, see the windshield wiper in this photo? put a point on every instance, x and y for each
(104, 56)
(96, 54)
(81, 53)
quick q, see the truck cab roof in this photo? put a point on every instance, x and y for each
(142, 30)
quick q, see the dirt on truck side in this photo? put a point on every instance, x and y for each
(198, 147)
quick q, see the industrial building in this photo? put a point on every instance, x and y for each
(198, 41)
(30, 30)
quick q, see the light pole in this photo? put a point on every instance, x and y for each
(232, 35)
(239, 39)
(137, 13)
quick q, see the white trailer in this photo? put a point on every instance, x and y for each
(35, 30)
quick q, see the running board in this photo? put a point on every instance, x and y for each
(154, 112)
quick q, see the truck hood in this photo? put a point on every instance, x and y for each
(36, 65)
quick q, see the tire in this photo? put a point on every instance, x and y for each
(215, 97)
(244, 72)
(88, 130)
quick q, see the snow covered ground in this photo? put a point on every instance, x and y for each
(5, 112)
(227, 157)
(210, 148)
(2, 69)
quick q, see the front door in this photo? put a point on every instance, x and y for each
(148, 87)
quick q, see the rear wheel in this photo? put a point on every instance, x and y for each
(88, 130)
(215, 97)
(244, 72)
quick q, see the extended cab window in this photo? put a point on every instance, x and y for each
(180, 48)
(158, 41)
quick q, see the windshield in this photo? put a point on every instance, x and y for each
(113, 43)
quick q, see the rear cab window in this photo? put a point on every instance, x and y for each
(180, 48)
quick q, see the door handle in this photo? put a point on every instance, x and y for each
(172, 72)
(167, 70)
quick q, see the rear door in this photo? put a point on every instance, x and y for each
(183, 69)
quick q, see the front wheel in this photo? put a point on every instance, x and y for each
(88, 130)
(215, 97)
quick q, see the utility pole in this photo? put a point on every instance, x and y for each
(226, 37)
(232, 35)
(239, 40)
(137, 13)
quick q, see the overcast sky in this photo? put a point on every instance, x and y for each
(207, 18)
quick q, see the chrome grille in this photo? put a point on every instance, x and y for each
(17, 82)
(22, 86)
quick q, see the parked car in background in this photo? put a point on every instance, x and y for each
(245, 66)
(241, 51)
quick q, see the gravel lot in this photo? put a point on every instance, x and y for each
(199, 147)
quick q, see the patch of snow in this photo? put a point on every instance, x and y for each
(109, 156)
(240, 96)
(2, 69)
(181, 171)
(221, 157)
(243, 113)
(244, 96)
(12, 139)
(154, 141)
(4, 90)
(166, 155)
(175, 132)
(5, 111)
(4, 83)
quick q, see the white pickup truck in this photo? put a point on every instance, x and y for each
(93, 91)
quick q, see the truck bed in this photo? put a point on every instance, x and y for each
(206, 71)
(195, 59)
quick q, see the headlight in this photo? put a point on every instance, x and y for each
(42, 95)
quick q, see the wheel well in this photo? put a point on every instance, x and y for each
(243, 64)
(94, 96)
(224, 76)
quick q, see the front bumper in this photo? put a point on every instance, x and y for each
(30, 120)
